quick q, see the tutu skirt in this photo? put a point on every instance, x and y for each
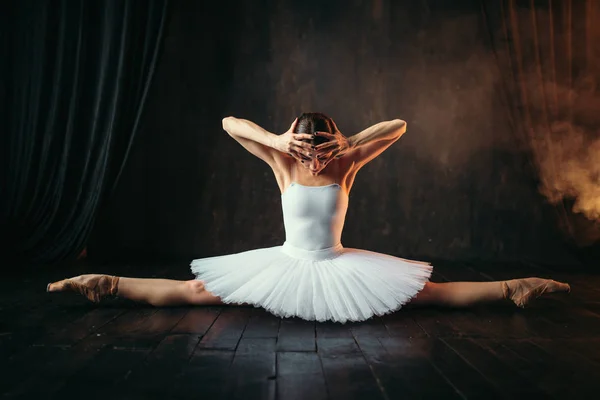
(335, 284)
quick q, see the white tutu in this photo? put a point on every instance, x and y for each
(337, 284)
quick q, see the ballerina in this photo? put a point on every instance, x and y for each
(311, 275)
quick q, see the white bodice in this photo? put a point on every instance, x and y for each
(314, 216)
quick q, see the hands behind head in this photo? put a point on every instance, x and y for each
(336, 146)
(296, 146)
(292, 144)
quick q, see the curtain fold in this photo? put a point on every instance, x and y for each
(75, 77)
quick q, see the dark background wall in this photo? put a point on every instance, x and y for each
(460, 184)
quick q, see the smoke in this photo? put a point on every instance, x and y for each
(565, 142)
(569, 166)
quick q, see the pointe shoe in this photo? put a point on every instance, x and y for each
(522, 291)
(94, 286)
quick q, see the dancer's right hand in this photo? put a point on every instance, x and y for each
(291, 143)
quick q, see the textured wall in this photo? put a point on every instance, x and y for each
(457, 185)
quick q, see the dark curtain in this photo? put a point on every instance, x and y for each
(75, 77)
(549, 61)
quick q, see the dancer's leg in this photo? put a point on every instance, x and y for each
(459, 294)
(157, 292)
(466, 294)
(166, 292)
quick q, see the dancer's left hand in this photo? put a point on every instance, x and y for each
(336, 146)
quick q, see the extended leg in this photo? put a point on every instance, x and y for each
(166, 292)
(466, 294)
(157, 292)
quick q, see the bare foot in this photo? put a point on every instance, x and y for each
(522, 291)
(93, 286)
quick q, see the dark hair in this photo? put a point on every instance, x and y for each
(315, 122)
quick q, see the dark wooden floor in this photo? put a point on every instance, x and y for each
(60, 346)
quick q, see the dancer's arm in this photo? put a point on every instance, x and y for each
(361, 148)
(265, 145)
(371, 142)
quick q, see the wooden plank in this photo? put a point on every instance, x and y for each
(574, 322)
(329, 329)
(128, 322)
(587, 347)
(173, 351)
(40, 323)
(347, 374)
(153, 379)
(43, 312)
(294, 370)
(403, 369)
(402, 324)
(504, 323)
(81, 328)
(501, 375)
(12, 344)
(373, 327)
(539, 326)
(593, 307)
(469, 324)
(18, 370)
(262, 324)
(296, 335)
(557, 377)
(124, 332)
(197, 320)
(383, 368)
(558, 349)
(227, 330)
(467, 381)
(161, 322)
(436, 322)
(44, 370)
(29, 307)
(105, 373)
(523, 365)
(253, 370)
(207, 375)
